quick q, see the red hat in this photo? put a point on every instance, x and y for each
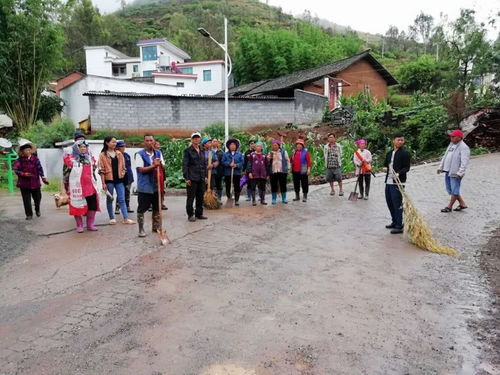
(301, 141)
(457, 133)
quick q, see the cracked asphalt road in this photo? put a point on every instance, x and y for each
(306, 288)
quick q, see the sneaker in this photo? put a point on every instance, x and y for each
(254, 203)
(397, 230)
(117, 212)
(332, 193)
(112, 222)
(390, 226)
(263, 203)
(130, 211)
(29, 217)
(191, 219)
(128, 221)
(38, 214)
(163, 207)
(366, 197)
(341, 194)
(201, 217)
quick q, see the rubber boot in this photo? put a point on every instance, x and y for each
(79, 224)
(273, 199)
(140, 222)
(90, 221)
(304, 198)
(297, 197)
(283, 198)
(236, 199)
(156, 222)
(254, 203)
(263, 198)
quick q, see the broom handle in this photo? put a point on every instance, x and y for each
(209, 172)
(158, 182)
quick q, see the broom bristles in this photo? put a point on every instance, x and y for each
(417, 230)
(210, 200)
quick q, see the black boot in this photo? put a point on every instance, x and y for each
(297, 197)
(304, 198)
(263, 198)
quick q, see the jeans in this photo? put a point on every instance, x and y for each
(452, 184)
(37, 197)
(120, 196)
(394, 201)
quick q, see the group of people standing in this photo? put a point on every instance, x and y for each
(85, 176)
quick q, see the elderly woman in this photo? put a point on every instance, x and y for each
(80, 167)
(279, 163)
(362, 159)
(301, 169)
(257, 173)
(112, 170)
(232, 160)
(29, 172)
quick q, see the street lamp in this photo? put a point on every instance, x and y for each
(227, 70)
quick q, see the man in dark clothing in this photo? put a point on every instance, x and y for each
(194, 168)
(397, 163)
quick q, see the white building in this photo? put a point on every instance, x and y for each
(161, 68)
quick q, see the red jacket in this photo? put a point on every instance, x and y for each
(296, 160)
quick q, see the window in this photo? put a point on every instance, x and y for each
(149, 53)
(180, 84)
(148, 73)
(207, 75)
(187, 70)
(123, 70)
(136, 68)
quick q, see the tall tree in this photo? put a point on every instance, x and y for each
(422, 28)
(30, 52)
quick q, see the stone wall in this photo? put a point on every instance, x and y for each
(135, 111)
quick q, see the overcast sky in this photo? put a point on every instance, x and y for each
(368, 15)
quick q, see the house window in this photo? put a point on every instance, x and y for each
(123, 70)
(136, 68)
(207, 75)
(180, 84)
(148, 73)
(187, 70)
(149, 53)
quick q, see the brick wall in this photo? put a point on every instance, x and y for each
(361, 74)
(172, 113)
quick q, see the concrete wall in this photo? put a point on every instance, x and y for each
(309, 107)
(133, 113)
(94, 59)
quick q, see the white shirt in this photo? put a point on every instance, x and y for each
(389, 179)
(448, 158)
(139, 163)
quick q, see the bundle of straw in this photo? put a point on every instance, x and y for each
(416, 229)
(210, 200)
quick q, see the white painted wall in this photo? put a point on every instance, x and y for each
(96, 64)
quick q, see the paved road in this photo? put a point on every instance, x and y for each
(307, 288)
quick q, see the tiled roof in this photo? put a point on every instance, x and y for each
(310, 75)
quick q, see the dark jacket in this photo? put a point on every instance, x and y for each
(129, 175)
(194, 164)
(401, 163)
(220, 167)
(246, 155)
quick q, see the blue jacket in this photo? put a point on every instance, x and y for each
(214, 159)
(227, 159)
(146, 182)
(129, 176)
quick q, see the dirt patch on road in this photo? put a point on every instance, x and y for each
(488, 329)
(14, 238)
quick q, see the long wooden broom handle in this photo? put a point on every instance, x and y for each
(209, 171)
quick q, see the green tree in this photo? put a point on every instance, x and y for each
(30, 53)
(423, 74)
(422, 28)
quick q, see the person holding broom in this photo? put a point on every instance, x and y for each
(147, 161)
(233, 165)
(257, 173)
(219, 170)
(397, 163)
(454, 164)
(194, 169)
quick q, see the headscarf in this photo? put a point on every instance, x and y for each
(82, 158)
(359, 141)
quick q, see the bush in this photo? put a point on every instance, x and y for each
(50, 107)
(215, 130)
(46, 135)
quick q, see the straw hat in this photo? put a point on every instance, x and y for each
(24, 143)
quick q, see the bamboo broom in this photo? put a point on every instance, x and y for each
(210, 200)
(417, 230)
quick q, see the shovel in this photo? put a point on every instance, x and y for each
(354, 195)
